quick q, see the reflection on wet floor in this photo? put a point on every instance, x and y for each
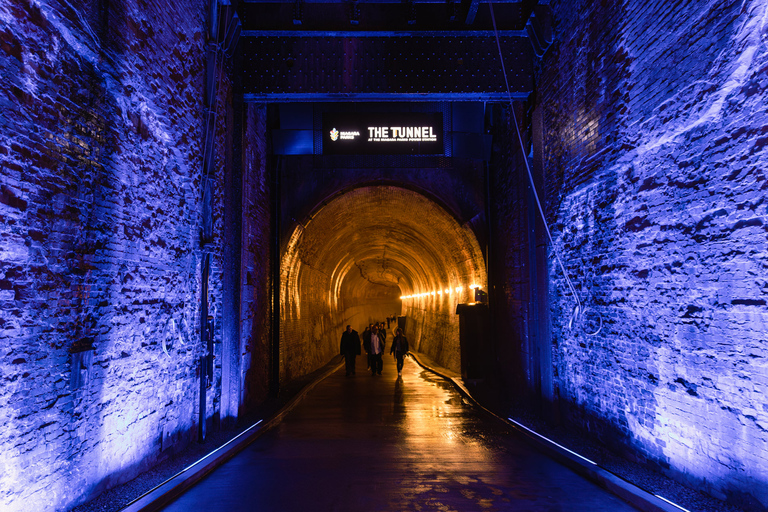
(380, 443)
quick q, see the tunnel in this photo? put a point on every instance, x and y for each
(561, 204)
(378, 252)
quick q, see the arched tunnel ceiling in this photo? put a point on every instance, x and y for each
(376, 239)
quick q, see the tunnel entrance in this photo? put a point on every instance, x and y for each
(374, 252)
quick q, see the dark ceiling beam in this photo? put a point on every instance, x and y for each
(501, 97)
(393, 34)
(405, 15)
(381, 1)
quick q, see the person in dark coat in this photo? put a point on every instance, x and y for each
(399, 349)
(367, 344)
(350, 348)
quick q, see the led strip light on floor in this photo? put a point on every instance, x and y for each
(550, 441)
(135, 504)
(238, 436)
(671, 503)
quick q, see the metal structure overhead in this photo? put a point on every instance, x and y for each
(386, 50)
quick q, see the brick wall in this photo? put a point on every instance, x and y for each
(256, 272)
(99, 243)
(654, 125)
(308, 325)
(510, 292)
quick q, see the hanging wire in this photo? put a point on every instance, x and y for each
(579, 310)
(212, 107)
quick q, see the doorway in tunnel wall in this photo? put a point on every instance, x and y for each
(375, 252)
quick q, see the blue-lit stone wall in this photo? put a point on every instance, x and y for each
(99, 243)
(654, 122)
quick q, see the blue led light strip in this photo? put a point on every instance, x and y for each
(671, 503)
(238, 436)
(137, 504)
(551, 441)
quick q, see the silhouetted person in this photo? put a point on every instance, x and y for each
(350, 347)
(400, 349)
(367, 344)
(383, 333)
(377, 348)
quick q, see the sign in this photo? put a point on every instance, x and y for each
(404, 133)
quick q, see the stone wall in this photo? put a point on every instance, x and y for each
(309, 325)
(510, 263)
(256, 275)
(654, 121)
(99, 243)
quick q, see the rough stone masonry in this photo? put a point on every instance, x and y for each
(100, 256)
(655, 127)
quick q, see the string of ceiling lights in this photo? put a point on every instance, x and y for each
(437, 293)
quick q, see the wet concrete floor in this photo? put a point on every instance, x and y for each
(365, 443)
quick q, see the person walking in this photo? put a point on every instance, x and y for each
(377, 349)
(399, 349)
(350, 348)
(367, 344)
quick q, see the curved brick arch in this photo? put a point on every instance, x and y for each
(355, 258)
(446, 201)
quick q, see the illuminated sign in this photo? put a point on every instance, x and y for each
(405, 133)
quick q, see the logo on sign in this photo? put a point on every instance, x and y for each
(334, 134)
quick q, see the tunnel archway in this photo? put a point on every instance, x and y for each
(368, 254)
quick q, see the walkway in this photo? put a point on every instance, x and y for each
(381, 444)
